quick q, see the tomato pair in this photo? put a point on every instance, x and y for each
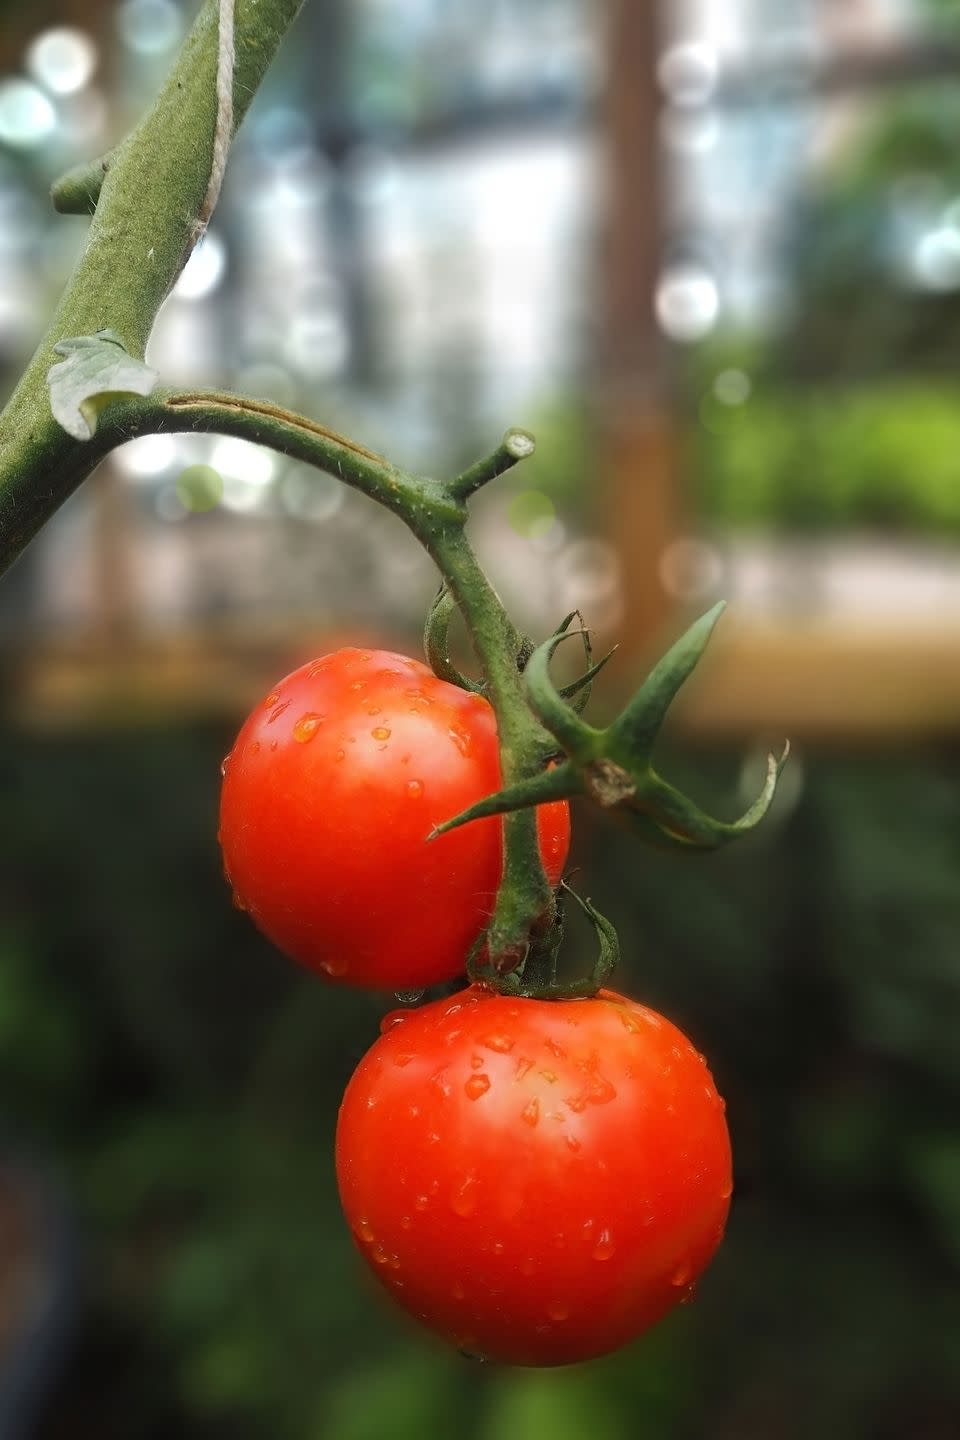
(334, 783)
(539, 1181)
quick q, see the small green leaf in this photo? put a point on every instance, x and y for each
(96, 370)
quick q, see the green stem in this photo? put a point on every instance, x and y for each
(143, 227)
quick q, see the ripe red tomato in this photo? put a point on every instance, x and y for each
(329, 793)
(539, 1181)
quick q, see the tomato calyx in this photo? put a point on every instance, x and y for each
(533, 975)
(613, 766)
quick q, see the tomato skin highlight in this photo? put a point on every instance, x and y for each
(329, 793)
(538, 1181)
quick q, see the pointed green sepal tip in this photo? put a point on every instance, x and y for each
(678, 821)
(634, 731)
(560, 782)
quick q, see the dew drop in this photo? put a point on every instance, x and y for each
(476, 1086)
(457, 1291)
(272, 698)
(364, 1232)
(604, 1247)
(255, 748)
(223, 765)
(408, 997)
(572, 1142)
(238, 901)
(405, 1222)
(414, 789)
(476, 1062)
(601, 1092)
(440, 1081)
(681, 1276)
(278, 710)
(502, 1044)
(373, 709)
(392, 1020)
(528, 1265)
(557, 1310)
(727, 1191)
(306, 727)
(333, 967)
(380, 1255)
(340, 754)
(555, 1049)
(274, 744)
(498, 1247)
(524, 1066)
(421, 1202)
(464, 1202)
(629, 1023)
(549, 1075)
(461, 740)
(531, 1112)
(402, 1059)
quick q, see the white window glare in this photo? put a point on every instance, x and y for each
(688, 73)
(240, 460)
(687, 303)
(147, 457)
(204, 270)
(62, 60)
(936, 259)
(27, 117)
(149, 27)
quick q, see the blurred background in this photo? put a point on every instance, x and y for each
(711, 256)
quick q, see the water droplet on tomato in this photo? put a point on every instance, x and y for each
(476, 1086)
(555, 1049)
(524, 1066)
(408, 997)
(681, 1276)
(727, 1191)
(457, 1291)
(688, 1295)
(531, 1112)
(401, 1060)
(461, 740)
(223, 765)
(392, 1020)
(464, 1202)
(373, 709)
(528, 1265)
(306, 727)
(572, 1142)
(278, 710)
(628, 1022)
(421, 1202)
(380, 1255)
(238, 901)
(497, 1247)
(405, 1222)
(272, 699)
(364, 1232)
(604, 1247)
(601, 1091)
(441, 1082)
(548, 1075)
(333, 967)
(274, 744)
(476, 1062)
(502, 1044)
(340, 754)
(414, 788)
(557, 1310)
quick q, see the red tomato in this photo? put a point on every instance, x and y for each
(539, 1181)
(329, 793)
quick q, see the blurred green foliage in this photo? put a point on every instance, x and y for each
(885, 456)
(185, 1080)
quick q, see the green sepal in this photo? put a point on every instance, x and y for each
(561, 782)
(435, 642)
(577, 739)
(635, 729)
